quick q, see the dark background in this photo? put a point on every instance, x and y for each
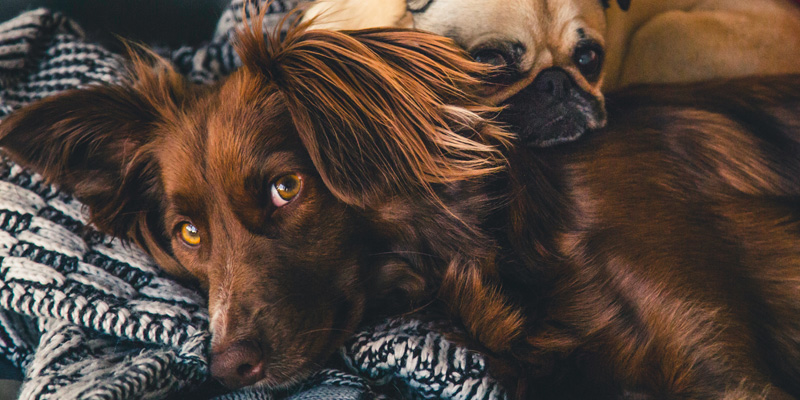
(156, 22)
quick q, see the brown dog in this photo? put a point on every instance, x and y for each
(559, 56)
(336, 176)
(257, 188)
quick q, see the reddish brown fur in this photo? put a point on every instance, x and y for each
(665, 249)
(660, 257)
(365, 120)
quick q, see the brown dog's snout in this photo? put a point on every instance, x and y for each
(238, 365)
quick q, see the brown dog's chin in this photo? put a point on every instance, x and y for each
(276, 379)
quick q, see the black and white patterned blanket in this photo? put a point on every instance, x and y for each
(85, 316)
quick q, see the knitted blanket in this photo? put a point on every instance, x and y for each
(87, 316)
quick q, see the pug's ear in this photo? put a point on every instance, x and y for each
(623, 4)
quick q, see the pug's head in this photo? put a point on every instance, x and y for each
(549, 53)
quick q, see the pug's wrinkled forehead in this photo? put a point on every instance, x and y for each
(549, 54)
(523, 37)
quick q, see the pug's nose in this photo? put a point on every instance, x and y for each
(238, 365)
(553, 82)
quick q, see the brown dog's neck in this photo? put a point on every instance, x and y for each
(536, 207)
(411, 254)
(492, 236)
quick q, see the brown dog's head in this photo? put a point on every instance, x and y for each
(549, 54)
(280, 190)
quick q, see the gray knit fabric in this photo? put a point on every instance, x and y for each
(86, 316)
(412, 354)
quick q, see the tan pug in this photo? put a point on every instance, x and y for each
(558, 56)
(659, 41)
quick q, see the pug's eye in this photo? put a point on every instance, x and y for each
(503, 62)
(189, 234)
(504, 56)
(285, 189)
(588, 57)
(493, 57)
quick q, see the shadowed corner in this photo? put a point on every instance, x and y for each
(10, 380)
(171, 23)
(9, 389)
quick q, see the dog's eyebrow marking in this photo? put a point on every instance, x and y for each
(581, 33)
(188, 206)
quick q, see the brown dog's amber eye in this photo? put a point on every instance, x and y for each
(190, 234)
(285, 189)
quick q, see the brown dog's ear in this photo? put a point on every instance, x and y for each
(381, 112)
(93, 143)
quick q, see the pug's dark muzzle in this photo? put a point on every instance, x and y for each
(553, 110)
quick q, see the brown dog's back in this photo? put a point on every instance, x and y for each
(672, 246)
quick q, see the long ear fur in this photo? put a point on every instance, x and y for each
(381, 111)
(94, 143)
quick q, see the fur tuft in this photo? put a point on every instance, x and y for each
(380, 111)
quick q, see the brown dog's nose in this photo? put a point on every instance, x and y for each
(240, 364)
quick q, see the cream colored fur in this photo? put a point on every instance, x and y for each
(358, 14)
(654, 41)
